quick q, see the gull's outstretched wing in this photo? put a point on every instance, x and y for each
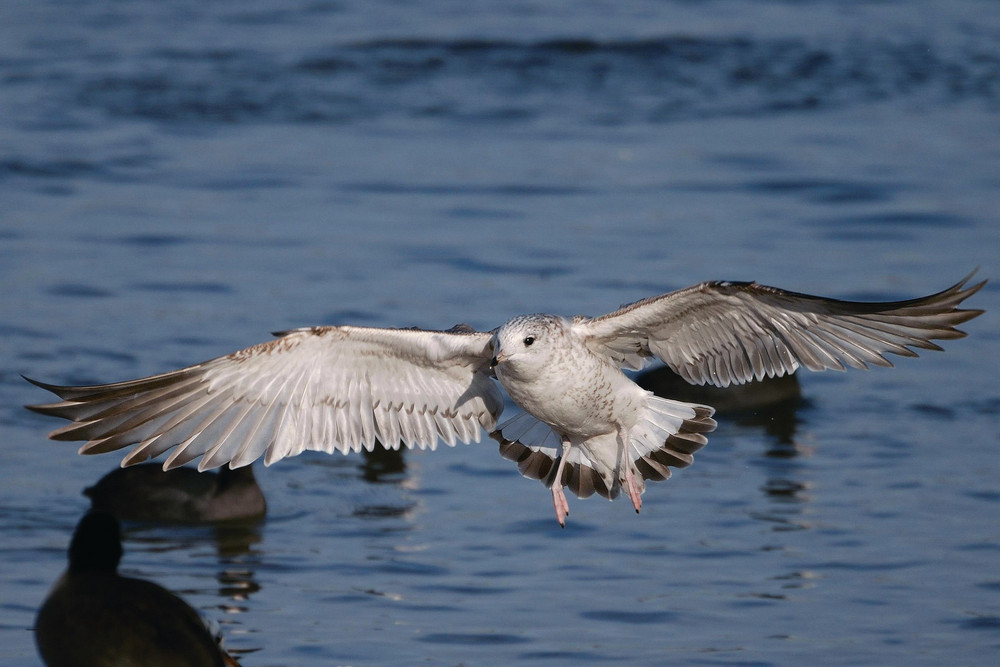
(724, 333)
(324, 388)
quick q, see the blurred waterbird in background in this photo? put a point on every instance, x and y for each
(94, 617)
(585, 425)
(181, 495)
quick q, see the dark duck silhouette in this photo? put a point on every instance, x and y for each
(183, 495)
(94, 617)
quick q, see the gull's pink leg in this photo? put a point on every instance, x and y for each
(626, 464)
(559, 502)
(633, 489)
(558, 496)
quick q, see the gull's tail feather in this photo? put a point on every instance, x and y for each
(534, 462)
(667, 435)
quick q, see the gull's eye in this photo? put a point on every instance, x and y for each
(528, 340)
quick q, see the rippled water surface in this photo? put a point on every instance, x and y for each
(178, 179)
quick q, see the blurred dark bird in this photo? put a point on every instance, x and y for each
(753, 395)
(182, 495)
(95, 617)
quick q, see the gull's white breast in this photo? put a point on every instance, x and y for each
(579, 393)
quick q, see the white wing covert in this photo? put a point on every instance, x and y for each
(322, 388)
(724, 333)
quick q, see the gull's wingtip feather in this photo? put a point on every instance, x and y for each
(48, 409)
(37, 383)
(41, 407)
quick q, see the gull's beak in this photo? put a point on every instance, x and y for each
(497, 360)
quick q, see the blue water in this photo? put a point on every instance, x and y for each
(178, 179)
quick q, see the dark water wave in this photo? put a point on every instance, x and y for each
(594, 82)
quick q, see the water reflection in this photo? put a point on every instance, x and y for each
(233, 542)
(237, 562)
(236, 584)
(382, 464)
(385, 466)
(386, 482)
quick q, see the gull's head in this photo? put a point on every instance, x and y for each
(526, 342)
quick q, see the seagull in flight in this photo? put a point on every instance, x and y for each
(585, 425)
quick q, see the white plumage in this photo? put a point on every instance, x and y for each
(586, 424)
